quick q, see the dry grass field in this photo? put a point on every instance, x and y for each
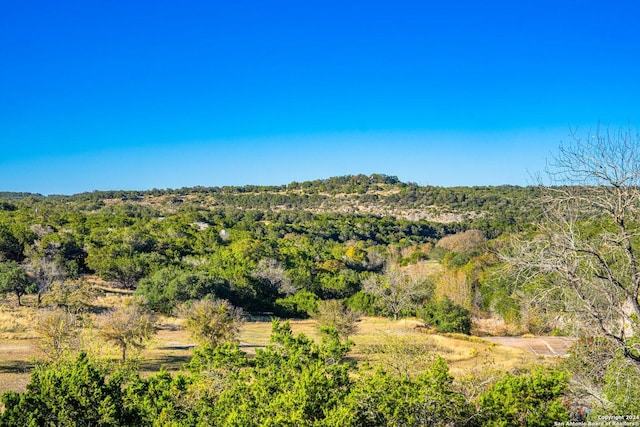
(400, 346)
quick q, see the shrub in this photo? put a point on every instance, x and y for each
(533, 399)
(165, 289)
(213, 321)
(446, 316)
(364, 303)
(334, 314)
(68, 393)
(299, 305)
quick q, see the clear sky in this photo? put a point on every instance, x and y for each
(166, 94)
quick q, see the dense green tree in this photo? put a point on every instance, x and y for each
(227, 357)
(124, 255)
(382, 399)
(364, 303)
(446, 316)
(64, 249)
(530, 399)
(14, 279)
(294, 382)
(161, 401)
(125, 270)
(10, 247)
(235, 262)
(301, 304)
(167, 288)
(68, 394)
(339, 284)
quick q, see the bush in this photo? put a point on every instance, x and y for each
(213, 321)
(68, 393)
(165, 289)
(446, 316)
(299, 305)
(533, 399)
(364, 303)
(334, 314)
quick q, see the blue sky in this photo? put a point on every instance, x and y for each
(165, 94)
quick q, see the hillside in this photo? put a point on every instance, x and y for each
(378, 195)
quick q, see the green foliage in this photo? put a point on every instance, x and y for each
(66, 250)
(124, 270)
(127, 236)
(165, 289)
(339, 284)
(70, 394)
(413, 258)
(446, 316)
(159, 400)
(621, 388)
(459, 259)
(364, 303)
(299, 305)
(531, 399)
(14, 279)
(226, 356)
(10, 247)
(285, 248)
(294, 382)
(385, 400)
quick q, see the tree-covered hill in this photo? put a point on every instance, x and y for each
(324, 237)
(377, 194)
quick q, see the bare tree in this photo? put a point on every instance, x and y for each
(463, 241)
(585, 253)
(333, 313)
(59, 330)
(213, 321)
(396, 289)
(127, 326)
(403, 355)
(44, 272)
(273, 277)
